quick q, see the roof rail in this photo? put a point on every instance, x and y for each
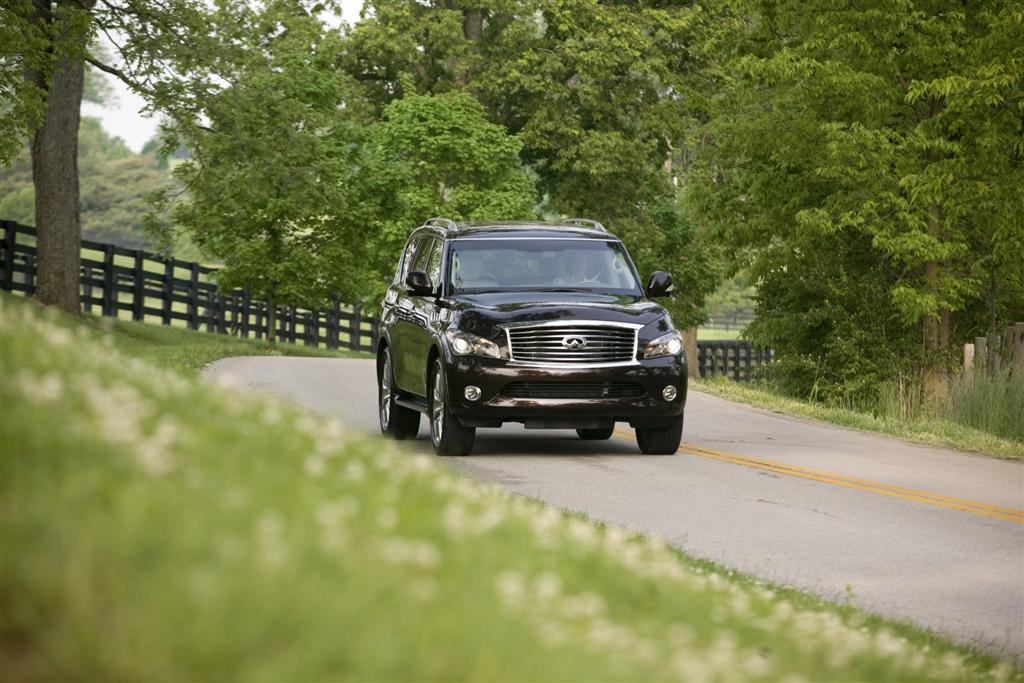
(585, 223)
(446, 223)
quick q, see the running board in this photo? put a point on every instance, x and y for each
(413, 402)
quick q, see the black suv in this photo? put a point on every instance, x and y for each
(540, 323)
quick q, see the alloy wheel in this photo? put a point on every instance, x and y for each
(437, 408)
(385, 392)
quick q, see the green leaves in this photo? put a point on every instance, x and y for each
(860, 144)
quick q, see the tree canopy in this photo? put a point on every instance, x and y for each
(867, 160)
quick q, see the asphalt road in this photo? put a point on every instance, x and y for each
(917, 533)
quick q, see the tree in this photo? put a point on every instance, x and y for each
(270, 162)
(870, 156)
(169, 55)
(595, 91)
(432, 156)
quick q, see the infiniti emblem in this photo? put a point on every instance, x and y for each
(573, 342)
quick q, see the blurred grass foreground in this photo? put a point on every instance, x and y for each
(155, 527)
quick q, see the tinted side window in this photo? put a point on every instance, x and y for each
(422, 257)
(407, 257)
(434, 264)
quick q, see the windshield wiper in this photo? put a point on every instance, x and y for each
(559, 289)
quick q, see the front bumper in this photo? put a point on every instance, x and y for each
(494, 406)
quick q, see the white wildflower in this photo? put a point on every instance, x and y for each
(511, 587)
(153, 452)
(414, 552)
(387, 518)
(315, 465)
(423, 588)
(547, 586)
(270, 539)
(39, 388)
(271, 413)
(354, 471)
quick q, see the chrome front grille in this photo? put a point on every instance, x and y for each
(576, 342)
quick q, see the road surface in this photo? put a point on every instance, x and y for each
(916, 533)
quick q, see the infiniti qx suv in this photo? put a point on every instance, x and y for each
(545, 324)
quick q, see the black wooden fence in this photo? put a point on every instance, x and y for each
(733, 358)
(150, 287)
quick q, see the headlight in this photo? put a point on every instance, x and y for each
(670, 344)
(466, 344)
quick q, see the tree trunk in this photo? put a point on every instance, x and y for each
(935, 377)
(472, 31)
(692, 354)
(55, 164)
(271, 323)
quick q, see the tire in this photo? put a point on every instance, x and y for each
(660, 440)
(599, 434)
(396, 421)
(447, 434)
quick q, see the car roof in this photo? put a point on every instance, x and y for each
(578, 229)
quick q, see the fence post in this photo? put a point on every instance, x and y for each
(1018, 348)
(981, 353)
(222, 314)
(138, 293)
(968, 357)
(193, 297)
(355, 331)
(259, 320)
(313, 327)
(87, 289)
(333, 313)
(245, 312)
(210, 310)
(994, 360)
(168, 287)
(10, 240)
(109, 282)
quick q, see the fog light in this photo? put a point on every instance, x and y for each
(669, 392)
(473, 393)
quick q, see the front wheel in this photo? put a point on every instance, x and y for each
(660, 440)
(449, 436)
(396, 421)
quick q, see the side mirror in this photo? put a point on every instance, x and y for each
(419, 283)
(659, 284)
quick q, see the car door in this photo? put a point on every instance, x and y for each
(423, 315)
(398, 316)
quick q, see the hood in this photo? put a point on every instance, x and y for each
(515, 307)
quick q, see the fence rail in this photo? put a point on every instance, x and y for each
(146, 286)
(736, 359)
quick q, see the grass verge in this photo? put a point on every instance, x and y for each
(156, 527)
(190, 350)
(922, 429)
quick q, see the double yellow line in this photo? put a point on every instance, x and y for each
(914, 495)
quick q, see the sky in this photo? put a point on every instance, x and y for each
(121, 118)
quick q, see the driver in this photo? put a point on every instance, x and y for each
(577, 266)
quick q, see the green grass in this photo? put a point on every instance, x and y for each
(709, 334)
(157, 527)
(916, 425)
(174, 347)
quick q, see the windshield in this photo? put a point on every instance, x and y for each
(501, 265)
